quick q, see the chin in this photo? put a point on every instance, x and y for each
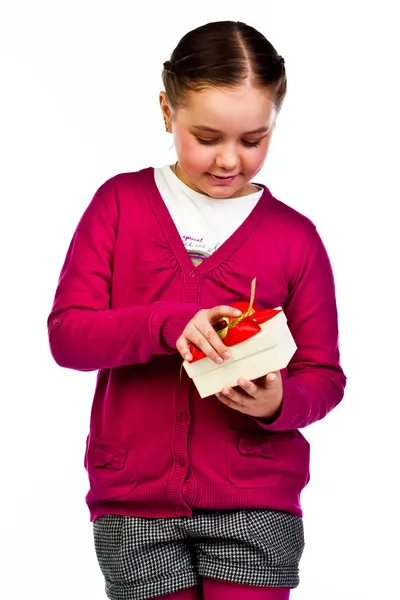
(222, 193)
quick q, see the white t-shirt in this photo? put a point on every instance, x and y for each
(204, 223)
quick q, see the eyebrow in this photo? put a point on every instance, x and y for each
(205, 128)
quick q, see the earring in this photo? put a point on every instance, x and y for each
(167, 125)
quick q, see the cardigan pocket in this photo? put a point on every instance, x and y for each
(252, 462)
(112, 467)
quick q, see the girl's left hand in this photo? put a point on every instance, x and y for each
(261, 399)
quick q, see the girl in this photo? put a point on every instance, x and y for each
(199, 498)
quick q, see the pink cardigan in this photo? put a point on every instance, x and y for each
(126, 291)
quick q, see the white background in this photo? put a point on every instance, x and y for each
(79, 103)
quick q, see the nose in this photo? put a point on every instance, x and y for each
(227, 159)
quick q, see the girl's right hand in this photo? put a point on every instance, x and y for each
(200, 332)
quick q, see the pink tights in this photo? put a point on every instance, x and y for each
(223, 590)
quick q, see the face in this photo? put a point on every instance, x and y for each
(222, 138)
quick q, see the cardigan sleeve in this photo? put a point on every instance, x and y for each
(85, 333)
(314, 381)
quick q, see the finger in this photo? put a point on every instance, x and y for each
(236, 396)
(214, 340)
(249, 387)
(220, 312)
(268, 380)
(184, 349)
(212, 345)
(234, 405)
(198, 338)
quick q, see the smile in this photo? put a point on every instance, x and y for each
(222, 179)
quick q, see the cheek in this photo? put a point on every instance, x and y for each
(193, 156)
(255, 159)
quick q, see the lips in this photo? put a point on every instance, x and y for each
(223, 176)
(222, 179)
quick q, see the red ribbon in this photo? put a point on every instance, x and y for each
(242, 330)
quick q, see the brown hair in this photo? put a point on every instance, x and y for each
(223, 54)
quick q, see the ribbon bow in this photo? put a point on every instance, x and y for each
(103, 459)
(244, 327)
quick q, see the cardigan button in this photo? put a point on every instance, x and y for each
(181, 462)
(193, 273)
(183, 417)
(56, 322)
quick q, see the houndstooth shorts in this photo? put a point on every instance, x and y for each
(145, 558)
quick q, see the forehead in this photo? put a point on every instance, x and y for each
(244, 108)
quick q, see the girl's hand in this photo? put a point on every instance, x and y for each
(261, 399)
(200, 332)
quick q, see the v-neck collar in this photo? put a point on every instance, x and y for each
(172, 234)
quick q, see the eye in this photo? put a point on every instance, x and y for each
(251, 144)
(244, 142)
(206, 142)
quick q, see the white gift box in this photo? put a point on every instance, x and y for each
(271, 349)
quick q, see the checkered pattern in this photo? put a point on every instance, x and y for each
(145, 558)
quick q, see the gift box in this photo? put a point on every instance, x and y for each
(259, 342)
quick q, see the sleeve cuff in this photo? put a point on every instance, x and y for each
(294, 411)
(170, 320)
